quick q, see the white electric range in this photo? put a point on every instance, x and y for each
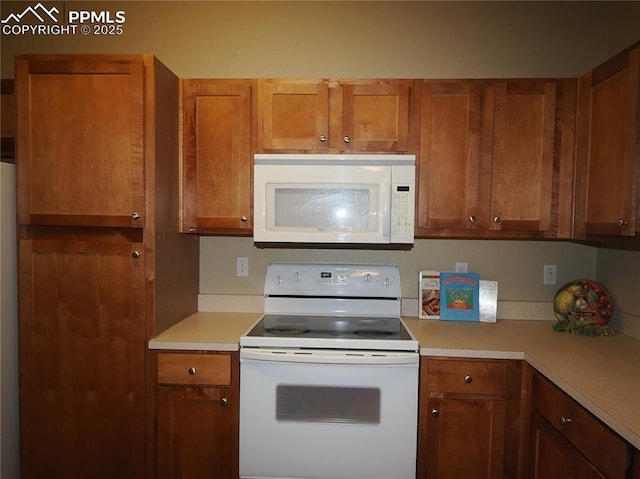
(329, 377)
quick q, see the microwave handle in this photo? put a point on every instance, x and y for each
(386, 209)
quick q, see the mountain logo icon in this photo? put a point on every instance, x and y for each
(38, 12)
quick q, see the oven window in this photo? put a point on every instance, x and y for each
(328, 404)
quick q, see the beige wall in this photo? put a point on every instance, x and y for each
(375, 39)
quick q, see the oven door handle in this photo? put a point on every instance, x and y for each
(330, 357)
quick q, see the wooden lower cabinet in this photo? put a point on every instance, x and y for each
(566, 440)
(470, 419)
(197, 415)
(82, 359)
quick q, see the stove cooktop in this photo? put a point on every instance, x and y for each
(336, 332)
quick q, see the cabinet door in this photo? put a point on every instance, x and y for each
(375, 117)
(80, 141)
(552, 455)
(465, 438)
(448, 159)
(82, 359)
(217, 162)
(294, 115)
(195, 433)
(531, 153)
(608, 166)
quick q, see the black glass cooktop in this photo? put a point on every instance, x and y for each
(341, 327)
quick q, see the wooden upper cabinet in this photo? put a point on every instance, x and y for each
(527, 147)
(217, 155)
(80, 142)
(294, 115)
(449, 154)
(495, 158)
(608, 149)
(332, 116)
(375, 116)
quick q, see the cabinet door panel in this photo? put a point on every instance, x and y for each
(552, 456)
(523, 156)
(80, 142)
(194, 436)
(82, 357)
(217, 156)
(294, 115)
(473, 429)
(375, 117)
(448, 163)
(608, 168)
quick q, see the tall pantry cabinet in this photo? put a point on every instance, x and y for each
(102, 267)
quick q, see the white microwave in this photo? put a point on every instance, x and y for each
(334, 198)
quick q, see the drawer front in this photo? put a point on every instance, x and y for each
(467, 377)
(601, 446)
(194, 369)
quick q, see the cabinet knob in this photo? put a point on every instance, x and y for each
(135, 215)
(435, 412)
(322, 138)
(192, 229)
(191, 371)
(497, 219)
(472, 219)
(622, 223)
(135, 254)
(243, 219)
(347, 139)
(224, 401)
(564, 420)
(468, 379)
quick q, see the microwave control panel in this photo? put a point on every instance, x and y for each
(402, 211)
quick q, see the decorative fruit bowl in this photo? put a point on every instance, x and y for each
(583, 307)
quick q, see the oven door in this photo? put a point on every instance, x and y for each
(328, 414)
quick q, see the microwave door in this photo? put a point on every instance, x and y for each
(313, 204)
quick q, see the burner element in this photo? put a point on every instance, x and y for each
(292, 330)
(373, 333)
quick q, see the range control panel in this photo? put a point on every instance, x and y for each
(302, 279)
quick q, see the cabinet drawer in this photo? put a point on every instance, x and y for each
(467, 377)
(194, 369)
(601, 446)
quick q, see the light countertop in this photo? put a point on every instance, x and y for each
(601, 373)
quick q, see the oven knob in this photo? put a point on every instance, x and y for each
(387, 283)
(298, 276)
(368, 278)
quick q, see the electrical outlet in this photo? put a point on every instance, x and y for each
(550, 274)
(462, 267)
(242, 266)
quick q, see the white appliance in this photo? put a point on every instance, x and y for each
(329, 377)
(351, 199)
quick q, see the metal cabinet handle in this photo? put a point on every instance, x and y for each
(497, 219)
(622, 223)
(191, 371)
(135, 215)
(468, 379)
(243, 219)
(564, 420)
(435, 412)
(347, 139)
(224, 401)
(192, 229)
(135, 254)
(322, 138)
(472, 219)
